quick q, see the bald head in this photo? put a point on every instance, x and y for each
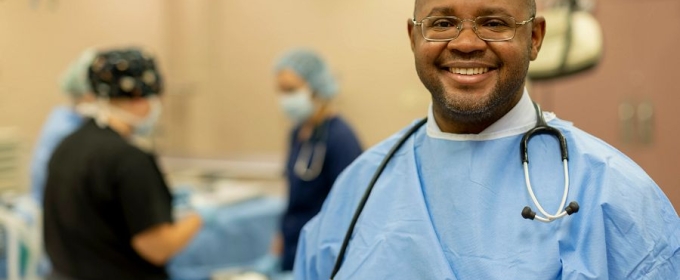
(530, 4)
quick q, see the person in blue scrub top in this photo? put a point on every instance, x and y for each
(321, 144)
(63, 120)
(448, 203)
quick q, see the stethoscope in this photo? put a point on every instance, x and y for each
(541, 128)
(309, 161)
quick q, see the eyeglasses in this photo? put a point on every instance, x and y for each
(487, 28)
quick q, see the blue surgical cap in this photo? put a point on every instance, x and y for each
(310, 67)
(74, 81)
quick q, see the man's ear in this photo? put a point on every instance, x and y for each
(410, 28)
(537, 35)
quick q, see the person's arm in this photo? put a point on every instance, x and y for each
(276, 248)
(146, 205)
(270, 263)
(343, 149)
(160, 243)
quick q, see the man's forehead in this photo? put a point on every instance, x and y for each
(452, 7)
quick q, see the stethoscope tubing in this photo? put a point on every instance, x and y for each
(542, 127)
(560, 212)
(310, 168)
(367, 193)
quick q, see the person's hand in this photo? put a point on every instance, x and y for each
(268, 264)
(208, 214)
(249, 276)
(181, 197)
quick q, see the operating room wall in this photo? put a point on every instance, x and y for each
(37, 43)
(217, 56)
(222, 53)
(39, 38)
(223, 101)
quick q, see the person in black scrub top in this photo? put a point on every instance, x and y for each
(107, 208)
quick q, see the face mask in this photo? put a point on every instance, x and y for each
(298, 105)
(142, 127)
(146, 126)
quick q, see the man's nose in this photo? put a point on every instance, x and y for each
(467, 40)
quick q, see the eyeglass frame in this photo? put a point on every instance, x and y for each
(474, 27)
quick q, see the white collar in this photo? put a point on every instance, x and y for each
(518, 120)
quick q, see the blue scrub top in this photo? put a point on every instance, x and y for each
(61, 122)
(306, 197)
(450, 209)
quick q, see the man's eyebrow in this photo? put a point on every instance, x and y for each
(493, 11)
(442, 11)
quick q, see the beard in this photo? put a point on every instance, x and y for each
(469, 109)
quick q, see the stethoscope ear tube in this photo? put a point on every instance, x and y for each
(542, 127)
(524, 150)
(367, 193)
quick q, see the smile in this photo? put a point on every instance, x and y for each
(468, 71)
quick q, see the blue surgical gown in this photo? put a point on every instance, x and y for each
(61, 122)
(306, 197)
(451, 210)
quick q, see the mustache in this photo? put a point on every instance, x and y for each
(476, 56)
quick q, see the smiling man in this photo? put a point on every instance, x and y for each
(475, 74)
(455, 201)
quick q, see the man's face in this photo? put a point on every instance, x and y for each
(495, 81)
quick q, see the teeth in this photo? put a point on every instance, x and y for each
(469, 71)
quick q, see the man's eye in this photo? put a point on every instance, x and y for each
(443, 23)
(495, 24)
